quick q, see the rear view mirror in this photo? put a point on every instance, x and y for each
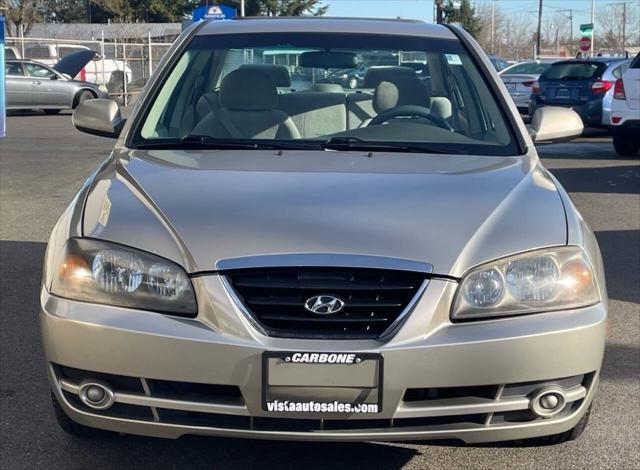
(553, 124)
(99, 117)
(328, 60)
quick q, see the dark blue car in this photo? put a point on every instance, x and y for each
(579, 84)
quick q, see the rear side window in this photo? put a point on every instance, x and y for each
(575, 71)
(14, 70)
(37, 52)
(636, 62)
(618, 71)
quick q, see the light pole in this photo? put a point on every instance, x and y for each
(241, 7)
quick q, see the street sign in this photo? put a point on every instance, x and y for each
(585, 43)
(586, 29)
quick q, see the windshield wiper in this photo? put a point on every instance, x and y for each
(355, 143)
(205, 142)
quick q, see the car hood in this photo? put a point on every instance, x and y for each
(198, 208)
(73, 63)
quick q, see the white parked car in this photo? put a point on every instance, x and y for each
(625, 111)
(519, 80)
(114, 70)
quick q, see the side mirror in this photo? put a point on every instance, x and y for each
(553, 124)
(99, 117)
(53, 77)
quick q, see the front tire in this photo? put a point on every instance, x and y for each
(71, 427)
(625, 144)
(83, 96)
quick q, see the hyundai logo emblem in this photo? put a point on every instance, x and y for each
(324, 304)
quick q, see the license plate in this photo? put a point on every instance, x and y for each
(562, 93)
(322, 383)
(511, 86)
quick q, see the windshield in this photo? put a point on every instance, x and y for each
(311, 90)
(575, 71)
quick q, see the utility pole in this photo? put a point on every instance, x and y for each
(439, 17)
(570, 16)
(538, 42)
(624, 26)
(493, 24)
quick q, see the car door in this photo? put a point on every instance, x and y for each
(18, 85)
(48, 89)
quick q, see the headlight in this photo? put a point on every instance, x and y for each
(107, 273)
(539, 281)
(103, 88)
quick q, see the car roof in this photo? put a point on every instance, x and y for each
(604, 60)
(28, 61)
(313, 24)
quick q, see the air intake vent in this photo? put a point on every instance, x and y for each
(368, 302)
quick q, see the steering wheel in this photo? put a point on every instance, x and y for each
(410, 110)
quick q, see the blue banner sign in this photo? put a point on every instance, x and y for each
(213, 12)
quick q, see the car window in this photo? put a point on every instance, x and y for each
(575, 71)
(527, 68)
(9, 54)
(636, 62)
(619, 70)
(448, 104)
(35, 70)
(14, 69)
(37, 52)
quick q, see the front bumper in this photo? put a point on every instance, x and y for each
(465, 357)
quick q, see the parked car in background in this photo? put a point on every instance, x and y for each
(114, 70)
(498, 62)
(32, 85)
(519, 80)
(625, 111)
(584, 85)
(353, 78)
(323, 265)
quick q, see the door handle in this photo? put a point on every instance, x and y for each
(37, 82)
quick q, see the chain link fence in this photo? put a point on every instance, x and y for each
(120, 67)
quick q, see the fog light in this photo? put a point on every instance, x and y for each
(548, 402)
(96, 395)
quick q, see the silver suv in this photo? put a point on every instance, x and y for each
(280, 258)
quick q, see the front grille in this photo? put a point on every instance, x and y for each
(373, 299)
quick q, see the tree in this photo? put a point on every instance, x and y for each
(284, 7)
(65, 11)
(22, 13)
(465, 15)
(152, 11)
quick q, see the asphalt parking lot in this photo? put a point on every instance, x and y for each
(44, 161)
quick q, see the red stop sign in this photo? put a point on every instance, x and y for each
(585, 44)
